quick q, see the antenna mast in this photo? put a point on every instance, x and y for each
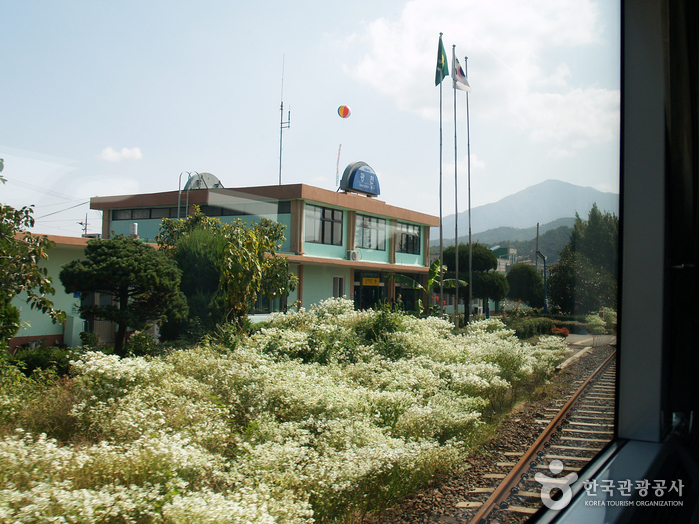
(282, 125)
(84, 224)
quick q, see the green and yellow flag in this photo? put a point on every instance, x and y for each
(442, 67)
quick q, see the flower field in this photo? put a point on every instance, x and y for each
(319, 416)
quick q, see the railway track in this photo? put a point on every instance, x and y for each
(573, 432)
(582, 431)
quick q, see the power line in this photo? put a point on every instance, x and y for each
(40, 189)
(62, 210)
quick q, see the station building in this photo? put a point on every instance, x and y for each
(343, 243)
(338, 243)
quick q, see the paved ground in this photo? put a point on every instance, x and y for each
(590, 340)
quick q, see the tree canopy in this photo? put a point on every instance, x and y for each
(585, 278)
(142, 282)
(20, 255)
(526, 285)
(486, 283)
(483, 258)
(200, 256)
(490, 285)
(242, 261)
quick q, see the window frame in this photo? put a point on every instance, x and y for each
(323, 225)
(408, 238)
(370, 224)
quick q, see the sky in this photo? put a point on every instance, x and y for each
(102, 98)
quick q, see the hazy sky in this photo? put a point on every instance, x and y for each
(107, 98)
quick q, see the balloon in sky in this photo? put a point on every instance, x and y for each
(344, 111)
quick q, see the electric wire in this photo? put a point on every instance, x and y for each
(62, 210)
(40, 189)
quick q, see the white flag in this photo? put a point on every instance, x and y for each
(460, 80)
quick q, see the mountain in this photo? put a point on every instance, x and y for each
(502, 234)
(540, 203)
(551, 243)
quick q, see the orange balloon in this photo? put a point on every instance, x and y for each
(344, 111)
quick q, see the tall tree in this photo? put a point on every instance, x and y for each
(484, 261)
(200, 256)
(142, 282)
(20, 255)
(490, 285)
(526, 285)
(249, 263)
(585, 278)
(483, 258)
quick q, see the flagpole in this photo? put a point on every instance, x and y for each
(456, 197)
(441, 235)
(470, 245)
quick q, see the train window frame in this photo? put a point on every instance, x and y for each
(651, 434)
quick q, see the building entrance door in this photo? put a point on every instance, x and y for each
(369, 289)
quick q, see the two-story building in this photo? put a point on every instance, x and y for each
(337, 243)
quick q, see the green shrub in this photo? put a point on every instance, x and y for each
(89, 339)
(43, 358)
(530, 327)
(378, 328)
(142, 344)
(573, 326)
(595, 324)
(303, 421)
(610, 319)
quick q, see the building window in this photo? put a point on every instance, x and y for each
(323, 225)
(408, 238)
(338, 287)
(121, 214)
(144, 213)
(162, 212)
(370, 233)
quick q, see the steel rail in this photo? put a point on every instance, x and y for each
(502, 492)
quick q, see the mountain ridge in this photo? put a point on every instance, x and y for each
(541, 203)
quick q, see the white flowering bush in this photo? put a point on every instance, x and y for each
(596, 325)
(317, 415)
(610, 319)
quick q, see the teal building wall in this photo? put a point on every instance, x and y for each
(35, 324)
(318, 283)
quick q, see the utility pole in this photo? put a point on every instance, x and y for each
(84, 224)
(536, 258)
(546, 298)
(282, 124)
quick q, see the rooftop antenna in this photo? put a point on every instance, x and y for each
(282, 125)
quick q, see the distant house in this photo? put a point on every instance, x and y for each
(507, 257)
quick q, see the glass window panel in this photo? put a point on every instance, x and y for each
(337, 234)
(160, 212)
(327, 232)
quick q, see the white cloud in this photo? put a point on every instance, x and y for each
(513, 81)
(110, 155)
